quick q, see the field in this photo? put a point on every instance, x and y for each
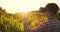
(14, 22)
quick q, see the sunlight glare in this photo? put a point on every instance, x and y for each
(24, 9)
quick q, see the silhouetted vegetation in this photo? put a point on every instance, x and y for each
(58, 16)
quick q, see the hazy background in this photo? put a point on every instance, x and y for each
(14, 6)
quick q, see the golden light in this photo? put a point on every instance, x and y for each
(24, 9)
(17, 6)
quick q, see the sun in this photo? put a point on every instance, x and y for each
(24, 9)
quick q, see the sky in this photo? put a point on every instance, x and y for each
(16, 6)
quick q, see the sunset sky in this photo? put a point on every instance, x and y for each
(16, 6)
